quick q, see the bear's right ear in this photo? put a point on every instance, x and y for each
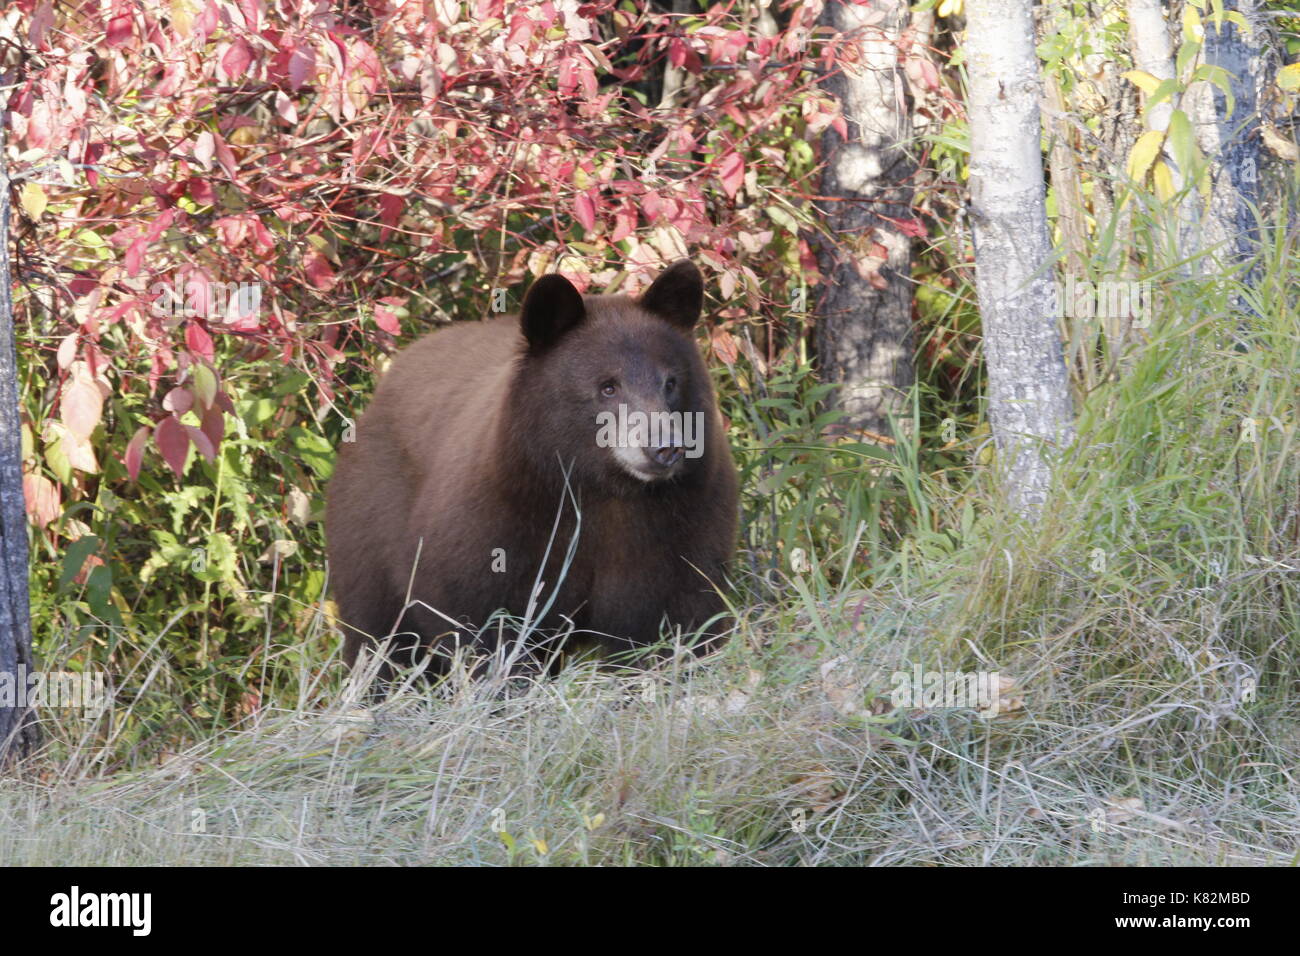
(552, 308)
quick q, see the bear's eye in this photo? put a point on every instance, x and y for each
(670, 386)
(609, 388)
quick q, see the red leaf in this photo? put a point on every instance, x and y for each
(199, 342)
(285, 109)
(67, 350)
(565, 81)
(911, 227)
(624, 223)
(302, 61)
(42, 499)
(207, 21)
(930, 73)
(585, 211)
(732, 174)
(214, 425)
(135, 256)
(178, 400)
(120, 27)
(390, 208)
(135, 451)
(319, 273)
(263, 239)
(225, 157)
(201, 191)
(386, 320)
(724, 345)
(233, 231)
(81, 406)
(173, 442)
(235, 63)
(251, 10)
(201, 442)
(204, 148)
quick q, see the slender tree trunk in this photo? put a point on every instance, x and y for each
(18, 737)
(1153, 52)
(1231, 141)
(864, 331)
(1029, 400)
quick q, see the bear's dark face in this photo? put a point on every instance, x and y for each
(623, 393)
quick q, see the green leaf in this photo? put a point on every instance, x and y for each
(99, 589)
(205, 384)
(57, 459)
(75, 558)
(1164, 91)
(220, 560)
(314, 450)
(292, 383)
(1187, 54)
(1182, 143)
(782, 218)
(257, 412)
(1220, 78)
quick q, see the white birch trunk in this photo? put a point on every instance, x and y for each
(1029, 400)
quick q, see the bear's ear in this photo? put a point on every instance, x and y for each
(677, 295)
(552, 308)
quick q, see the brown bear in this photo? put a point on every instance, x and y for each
(569, 467)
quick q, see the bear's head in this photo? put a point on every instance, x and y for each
(614, 386)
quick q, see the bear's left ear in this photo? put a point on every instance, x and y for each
(677, 295)
(552, 307)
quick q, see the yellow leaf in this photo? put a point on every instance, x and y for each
(1288, 78)
(33, 200)
(1164, 181)
(1143, 154)
(1282, 147)
(183, 16)
(1143, 80)
(1193, 31)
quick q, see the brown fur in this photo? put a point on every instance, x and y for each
(462, 447)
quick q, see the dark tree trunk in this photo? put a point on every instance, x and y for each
(18, 737)
(1232, 141)
(864, 327)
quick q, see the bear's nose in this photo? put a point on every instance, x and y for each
(668, 455)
